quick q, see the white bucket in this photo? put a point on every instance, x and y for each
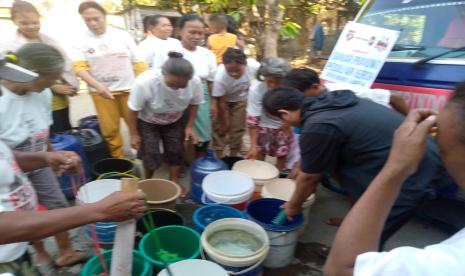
(194, 268)
(227, 187)
(249, 265)
(260, 171)
(97, 190)
(283, 188)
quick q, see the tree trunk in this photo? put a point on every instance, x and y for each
(273, 19)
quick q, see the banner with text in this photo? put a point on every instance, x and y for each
(359, 54)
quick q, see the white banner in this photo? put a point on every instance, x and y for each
(359, 54)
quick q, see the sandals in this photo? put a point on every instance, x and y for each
(48, 269)
(72, 259)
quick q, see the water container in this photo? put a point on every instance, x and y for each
(90, 122)
(94, 145)
(202, 167)
(64, 142)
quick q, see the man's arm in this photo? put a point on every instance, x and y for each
(361, 230)
(59, 161)
(306, 184)
(20, 226)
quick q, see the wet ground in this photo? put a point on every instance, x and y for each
(308, 258)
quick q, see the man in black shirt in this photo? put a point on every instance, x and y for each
(349, 138)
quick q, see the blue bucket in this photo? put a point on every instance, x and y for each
(207, 214)
(283, 238)
(105, 232)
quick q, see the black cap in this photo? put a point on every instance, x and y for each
(12, 72)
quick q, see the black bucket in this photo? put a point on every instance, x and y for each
(231, 160)
(112, 165)
(161, 217)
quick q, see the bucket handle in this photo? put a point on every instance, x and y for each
(257, 264)
(282, 234)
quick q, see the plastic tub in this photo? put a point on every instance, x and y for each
(161, 217)
(194, 268)
(139, 265)
(283, 238)
(161, 193)
(180, 240)
(260, 171)
(245, 264)
(282, 188)
(207, 214)
(228, 187)
(112, 165)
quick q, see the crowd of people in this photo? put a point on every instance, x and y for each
(205, 92)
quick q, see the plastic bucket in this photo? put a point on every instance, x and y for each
(283, 238)
(115, 175)
(139, 265)
(282, 188)
(161, 193)
(93, 192)
(104, 231)
(227, 187)
(112, 165)
(245, 264)
(194, 268)
(161, 217)
(260, 171)
(180, 240)
(207, 214)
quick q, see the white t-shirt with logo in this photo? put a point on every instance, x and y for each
(152, 47)
(203, 60)
(234, 90)
(110, 57)
(159, 104)
(445, 258)
(25, 120)
(255, 105)
(16, 194)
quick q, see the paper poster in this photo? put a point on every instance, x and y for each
(359, 54)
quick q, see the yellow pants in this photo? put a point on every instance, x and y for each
(109, 113)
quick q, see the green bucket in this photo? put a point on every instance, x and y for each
(180, 240)
(140, 266)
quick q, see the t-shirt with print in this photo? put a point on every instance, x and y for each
(16, 194)
(25, 120)
(151, 47)
(233, 90)
(159, 104)
(255, 105)
(202, 59)
(110, 57)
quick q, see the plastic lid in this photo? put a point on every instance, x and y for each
(194, 268)
(227, 183)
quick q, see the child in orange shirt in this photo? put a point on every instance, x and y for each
(220, 40)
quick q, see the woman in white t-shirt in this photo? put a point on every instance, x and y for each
(108, 61)
(267, 136)
(192, 33)
(158, 40)
(25, 109)
(229, 100)
(157, 103)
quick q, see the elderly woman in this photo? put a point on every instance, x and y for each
(107, 60)
(267, 136)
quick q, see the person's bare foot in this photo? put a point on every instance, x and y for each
(184, 192)
(335, 221)
(70, 258)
